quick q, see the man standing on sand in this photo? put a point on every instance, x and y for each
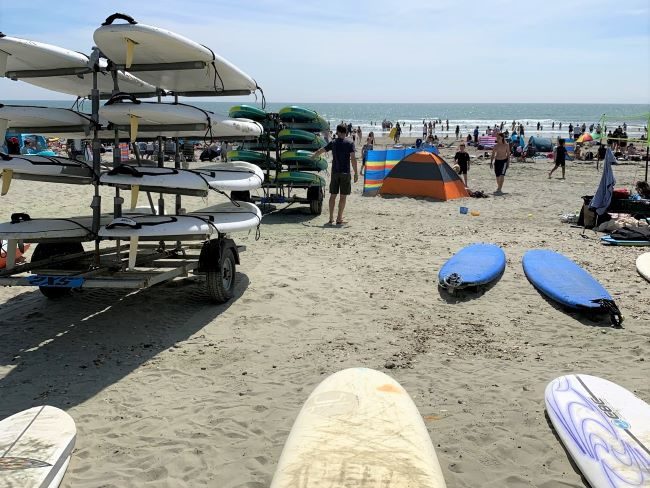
(501, 160)
(342, 153)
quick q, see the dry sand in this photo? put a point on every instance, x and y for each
(170, 391)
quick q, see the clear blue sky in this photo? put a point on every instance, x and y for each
(380, 51)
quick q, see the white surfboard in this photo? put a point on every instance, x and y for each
(56, 169)
(51, 122)
(359, 427)
(137, 45)
(35, 447)
(25, 55)
(604, 427)
(202, 224)
(238, 176)
(145, 117)
(643, 265)
(78, 229)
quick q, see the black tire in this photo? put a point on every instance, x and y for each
(315, 197)
(47, 250)
(241, 196)
(221, 282)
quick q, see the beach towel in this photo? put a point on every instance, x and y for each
(603, 196)
(488, 142)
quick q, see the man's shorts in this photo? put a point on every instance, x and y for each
(341, 183)
(500, 167)
(463, 167)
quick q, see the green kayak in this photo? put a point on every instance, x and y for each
(247, 112)
(314, 146)
(261, 144)
(297, 114)
(299, 178)
(319, 124)
(248, 156)
(297, 136)
(302, 161)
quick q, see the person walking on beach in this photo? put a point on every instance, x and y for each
(462, 159)
(476, 136)
(500, 160)
(560, 158)
(340, 183)
(457, 131)
(398, 132)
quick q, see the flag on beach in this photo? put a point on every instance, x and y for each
(603, 197)
(381, 161)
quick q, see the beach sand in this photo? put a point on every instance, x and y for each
(168, 390)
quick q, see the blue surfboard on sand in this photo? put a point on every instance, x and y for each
(474, 265)
(563, 281)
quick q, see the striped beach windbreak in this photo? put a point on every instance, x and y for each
(380, 162)
(423, 174)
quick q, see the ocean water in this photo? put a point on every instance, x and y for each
(368, 116)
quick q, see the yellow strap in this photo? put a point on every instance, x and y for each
(135, 122)
(7, 175)
(130, 47)
(135, 191)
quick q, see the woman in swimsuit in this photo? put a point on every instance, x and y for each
(500, 160)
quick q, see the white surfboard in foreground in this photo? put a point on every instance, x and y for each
(36, 446)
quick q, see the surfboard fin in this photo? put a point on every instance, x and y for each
(130, 47)
(133, 251)
(135, 122)
(135, 191)
(7, 176)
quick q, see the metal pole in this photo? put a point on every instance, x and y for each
(117, 156)
(161, 163)
(96, 204)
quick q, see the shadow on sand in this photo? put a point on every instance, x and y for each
(63, 352)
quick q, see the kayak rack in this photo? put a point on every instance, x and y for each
(275, 192)
(62, 265)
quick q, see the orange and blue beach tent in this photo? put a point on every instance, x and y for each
(424, 174)
(379, 164)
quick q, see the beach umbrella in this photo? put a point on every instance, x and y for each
(586, 137)
(603, 196)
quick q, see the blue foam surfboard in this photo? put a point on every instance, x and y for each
(474, 265)
(562, 280)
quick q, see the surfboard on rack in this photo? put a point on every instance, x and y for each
(235, 176)
(139, 48)
(75, 229)
(55, 169)
(359, 427)
(199, 225)
(36, 446)
(604, 427)
(51, 122)
(19, 56)
(174, 120)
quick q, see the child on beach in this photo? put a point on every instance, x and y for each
(462, 159)
(560, 158)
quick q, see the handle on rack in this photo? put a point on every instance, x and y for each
(5, 157)
(120, 97)
(19, 217)
(2, 34)
(109, 20)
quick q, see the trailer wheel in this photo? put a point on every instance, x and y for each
(221, 282)
(46, 250)
(315, 197)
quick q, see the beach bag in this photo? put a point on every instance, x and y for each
(629, 234)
